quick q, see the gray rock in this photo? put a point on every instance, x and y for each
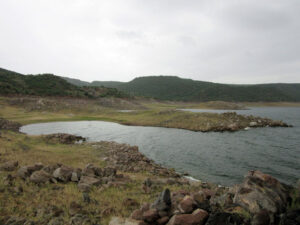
(63, 173)
(163, 202)
(40, 177)
(9, 166)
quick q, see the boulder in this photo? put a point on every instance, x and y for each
(90, 180)
(63, 173)
(40, 177)
(9, 166)
(150, 215)
(163, 202)
(26, 171)
(186, 205)
(262, 191)
(198, 217)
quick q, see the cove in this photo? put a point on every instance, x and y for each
(221, 158)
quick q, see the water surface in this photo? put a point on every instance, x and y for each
(216, 157)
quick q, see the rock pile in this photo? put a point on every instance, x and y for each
(87, 177)
(128, 158)
(9, 125)
(63, 138)
(259, 200)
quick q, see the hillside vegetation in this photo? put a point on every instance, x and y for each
(12, 83)
(177, 89)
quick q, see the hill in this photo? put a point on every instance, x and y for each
(12, 83)
(175, 88)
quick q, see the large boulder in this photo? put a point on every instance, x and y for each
(9, 166)
(63, 173)
(262, 191)
(186, 205)
(26, 171)
(40, 177)
(163, 202)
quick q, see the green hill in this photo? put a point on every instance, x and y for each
(175, 88)
(12, 83)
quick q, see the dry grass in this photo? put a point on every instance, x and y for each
(34, 199)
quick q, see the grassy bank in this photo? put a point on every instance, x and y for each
(34, 110)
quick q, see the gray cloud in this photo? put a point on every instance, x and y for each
(232, 41)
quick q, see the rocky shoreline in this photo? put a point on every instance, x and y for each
(259, 200)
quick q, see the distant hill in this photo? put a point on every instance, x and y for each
(12, 83)
(175, 88)
(178, 89)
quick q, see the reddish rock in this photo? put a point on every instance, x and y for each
(162, 220)
(186, 205)
(198, 217)
(137, 214)
(150, 215)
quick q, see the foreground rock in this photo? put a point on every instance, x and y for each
(9, 166)
(259, 200)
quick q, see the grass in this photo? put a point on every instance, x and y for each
(151, 114)
(107, 202)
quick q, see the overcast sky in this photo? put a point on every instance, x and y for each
(227, 41)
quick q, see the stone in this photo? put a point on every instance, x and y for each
(74, 177)
(84, 187)
(90, 181)
(163, 202)
(186, 205)
(150, 215)
(198, 217)
(262, 191)
(26, 171)
(9, 166)
(40, 177)
(63, 173)
(137, 214)
(253, 124)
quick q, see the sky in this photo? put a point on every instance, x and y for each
(232, 41)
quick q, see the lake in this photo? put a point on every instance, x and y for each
(222, 158)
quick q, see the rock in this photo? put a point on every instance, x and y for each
(198, 217)
(261, 218)
(186, 205)
(122, 221)
(63, 173)
(163, 202)
(109, 172)
(150, 215)
(84, 187)
(262, 191)
(9, 166)
(222, 218)
(252, 124)
(201, 200)
(26, 171)
(63, 138)
(74, 177)
(40, 177)
(90, 180)
(137, 214)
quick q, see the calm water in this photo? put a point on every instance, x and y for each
(217, 157)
